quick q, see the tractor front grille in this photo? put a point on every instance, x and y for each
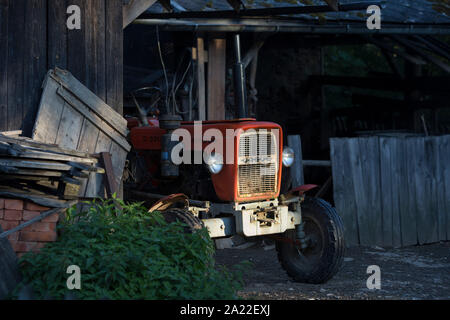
(258, 163)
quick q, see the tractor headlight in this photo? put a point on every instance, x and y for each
(214, 162)
(288, 157)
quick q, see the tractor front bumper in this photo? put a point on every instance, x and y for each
(253, 219)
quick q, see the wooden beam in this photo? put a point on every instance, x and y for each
(334, 4)
(407, 44)
(235, 4)
(391, 48)
(216, 78)
(134, 9)
(201, 78)
(111, 185)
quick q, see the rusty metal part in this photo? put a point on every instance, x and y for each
(169, 201)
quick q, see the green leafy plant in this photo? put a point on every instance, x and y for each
(124, 252)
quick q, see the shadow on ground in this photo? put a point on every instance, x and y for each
(421, 272)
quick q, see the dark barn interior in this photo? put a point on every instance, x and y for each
(318, 74)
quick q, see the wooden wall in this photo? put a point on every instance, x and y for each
(392, 192)
(34, 38)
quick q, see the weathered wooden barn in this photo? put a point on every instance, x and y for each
(284, 52)
(34, 38)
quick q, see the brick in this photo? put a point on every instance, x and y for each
(12, 215)
(30, 236)
(12, 204)
(41, 227)
(14, 236)
(2, 212)
(30, 206)
(22, 246)
(28, 215)
(8, 225)
(2, 204)
(52, 218)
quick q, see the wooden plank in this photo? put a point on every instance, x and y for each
(92, 117)
(34, 164)
(10, 276)
(430, 215)
(42, 155)
(95, 187)
(95, 47)
(439, 175)
(444, 155)
(94, 103)
(363, 207)
(38, 146)
(397, 164)
(12, 133)
(422, 190)
(343, 189)
(114, 55)
(134, 9)
(88, 141)
(35, 60)
(76, 45)
(49, 114)
(409, 212)
(216, 78)
(4, 13)
(38, 199)
(119, 159)
(110, 181)
(36, 173)
(373, 185)
(16, 52)
(69, 128)
(295, 143)
(387, 150)
(201, 79)
(57, 34)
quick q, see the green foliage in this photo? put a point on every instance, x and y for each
(129, 254)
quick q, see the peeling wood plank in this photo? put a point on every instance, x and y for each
(94, 103)
(92, 117)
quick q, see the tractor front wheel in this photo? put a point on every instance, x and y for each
(317, 254)
(191, 222)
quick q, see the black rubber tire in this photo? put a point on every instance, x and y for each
(323, 261)
(192, 222)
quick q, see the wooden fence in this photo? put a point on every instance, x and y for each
(392, 192)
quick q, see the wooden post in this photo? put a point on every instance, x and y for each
(216, 78)
(201, 78)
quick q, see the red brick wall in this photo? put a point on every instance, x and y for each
(14, 212)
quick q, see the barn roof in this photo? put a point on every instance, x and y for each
(398, 16)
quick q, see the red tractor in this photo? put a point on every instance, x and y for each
(236, 189)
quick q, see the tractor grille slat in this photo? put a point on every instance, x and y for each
(258, 163)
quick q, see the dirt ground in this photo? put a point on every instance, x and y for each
(413, 273)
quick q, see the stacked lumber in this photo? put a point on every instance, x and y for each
(39, 168)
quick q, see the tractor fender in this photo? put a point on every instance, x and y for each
(301, 190)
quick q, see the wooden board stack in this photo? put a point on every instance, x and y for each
(38, 168)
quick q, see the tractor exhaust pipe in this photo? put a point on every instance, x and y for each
(240, 85)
